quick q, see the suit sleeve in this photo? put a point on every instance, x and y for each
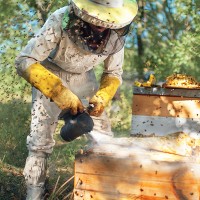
(113, 65)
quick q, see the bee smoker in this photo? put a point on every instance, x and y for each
(75, 125)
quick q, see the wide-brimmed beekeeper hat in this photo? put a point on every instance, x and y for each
(113, 14)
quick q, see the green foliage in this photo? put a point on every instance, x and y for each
(129, 70)
(120, 111)
(170, 37)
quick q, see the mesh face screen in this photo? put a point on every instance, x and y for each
(105, 42)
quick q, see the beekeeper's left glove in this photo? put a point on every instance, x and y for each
(108, 88)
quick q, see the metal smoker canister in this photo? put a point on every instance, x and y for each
(76, 125)
(161, 111)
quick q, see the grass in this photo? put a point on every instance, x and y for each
(14, 127)
(64, 191)
(12, 185)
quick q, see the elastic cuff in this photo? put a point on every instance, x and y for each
(38, 154)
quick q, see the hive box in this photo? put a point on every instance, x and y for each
(138, 168)
(166, 166)
(161, 111)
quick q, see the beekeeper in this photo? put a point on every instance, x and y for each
(59, 61)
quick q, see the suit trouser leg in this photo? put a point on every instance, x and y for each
(40, 143)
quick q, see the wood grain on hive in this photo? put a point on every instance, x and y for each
(161, 111)
(154, 168)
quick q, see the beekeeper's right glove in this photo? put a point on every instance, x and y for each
(51, 86)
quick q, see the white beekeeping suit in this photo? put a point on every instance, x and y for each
(59, 63)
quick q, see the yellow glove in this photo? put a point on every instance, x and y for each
(149, 83)
(51, 86)
(107, 90)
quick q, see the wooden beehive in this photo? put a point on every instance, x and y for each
(156, 168)
(161, 111)
(162, 164)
